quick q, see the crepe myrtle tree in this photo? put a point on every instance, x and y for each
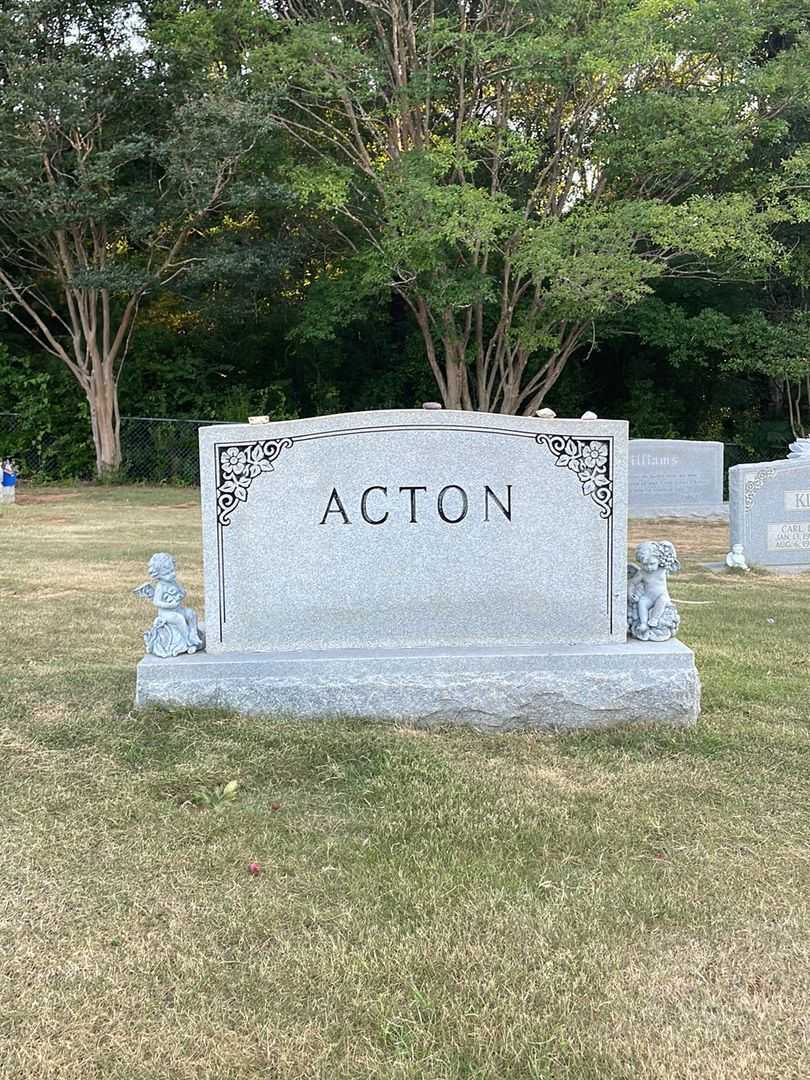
(516, 170)
(111, 180)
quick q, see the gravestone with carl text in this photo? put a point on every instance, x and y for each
(425, 566)
(676, 478)
(770, 513)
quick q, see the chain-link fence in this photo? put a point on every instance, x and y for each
(161, 450)
(155, 450)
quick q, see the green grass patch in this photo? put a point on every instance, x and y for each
(443, 905)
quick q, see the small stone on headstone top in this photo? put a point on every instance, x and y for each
(258, 419)
(432, 405)
(546, 414)
(589, 416)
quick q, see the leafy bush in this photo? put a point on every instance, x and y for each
(50, 434)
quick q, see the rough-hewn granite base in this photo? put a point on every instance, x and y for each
(698, 513)
(556, 688)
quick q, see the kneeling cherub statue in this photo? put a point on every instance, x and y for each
(175, 630)
(651, 614)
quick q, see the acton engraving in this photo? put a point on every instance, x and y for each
(412, 503)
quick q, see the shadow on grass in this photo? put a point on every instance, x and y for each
(178, 750)
(347, 756)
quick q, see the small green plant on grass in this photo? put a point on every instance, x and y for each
(216, 798)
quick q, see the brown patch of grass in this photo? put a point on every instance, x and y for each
(692, 539)
(30, 498)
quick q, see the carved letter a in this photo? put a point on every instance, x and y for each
(337, 509)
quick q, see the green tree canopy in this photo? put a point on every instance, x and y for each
(115, 182)
(516, 171)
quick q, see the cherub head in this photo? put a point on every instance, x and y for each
(162, 565)
(737, 549)
(657, 555)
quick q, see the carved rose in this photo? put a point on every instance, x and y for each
(234, 461)
(594, 455)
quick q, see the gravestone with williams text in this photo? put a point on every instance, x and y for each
(676, 478)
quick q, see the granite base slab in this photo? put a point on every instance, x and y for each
(698, 513)
(552, 689)
(782, 571)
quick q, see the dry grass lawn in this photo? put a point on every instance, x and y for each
(629, 906)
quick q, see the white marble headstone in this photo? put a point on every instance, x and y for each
(678, 475)
(770, 512)
(413, 529)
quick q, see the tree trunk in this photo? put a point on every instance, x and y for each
(102, 394)
(455, 379)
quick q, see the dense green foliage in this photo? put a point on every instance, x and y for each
(311, 206)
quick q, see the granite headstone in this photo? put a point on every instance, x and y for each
(770, 513)
(675, 478)
(413, 530)
(426, 566)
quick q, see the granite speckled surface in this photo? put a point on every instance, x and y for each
(770, 513)
(675, 478)
(551, 689)
(414, 528)
(422, 567)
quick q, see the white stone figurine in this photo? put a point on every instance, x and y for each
(735, 559)
(175, 629)
(651, 614)
(800, 449)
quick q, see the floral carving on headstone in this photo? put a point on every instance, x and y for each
(237, 467)
(590, 460)
(753, 486)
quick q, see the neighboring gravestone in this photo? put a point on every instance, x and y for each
(676, 478)
(426, 566)
(770, 513)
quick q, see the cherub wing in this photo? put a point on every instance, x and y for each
(147, 590)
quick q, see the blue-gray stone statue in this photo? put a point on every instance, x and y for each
(175, 630)
(651, 614)
(735, 560)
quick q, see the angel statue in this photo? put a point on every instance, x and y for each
(651, 615)
(735, 560)
(175, 629)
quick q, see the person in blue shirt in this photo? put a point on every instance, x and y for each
(9, 488)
